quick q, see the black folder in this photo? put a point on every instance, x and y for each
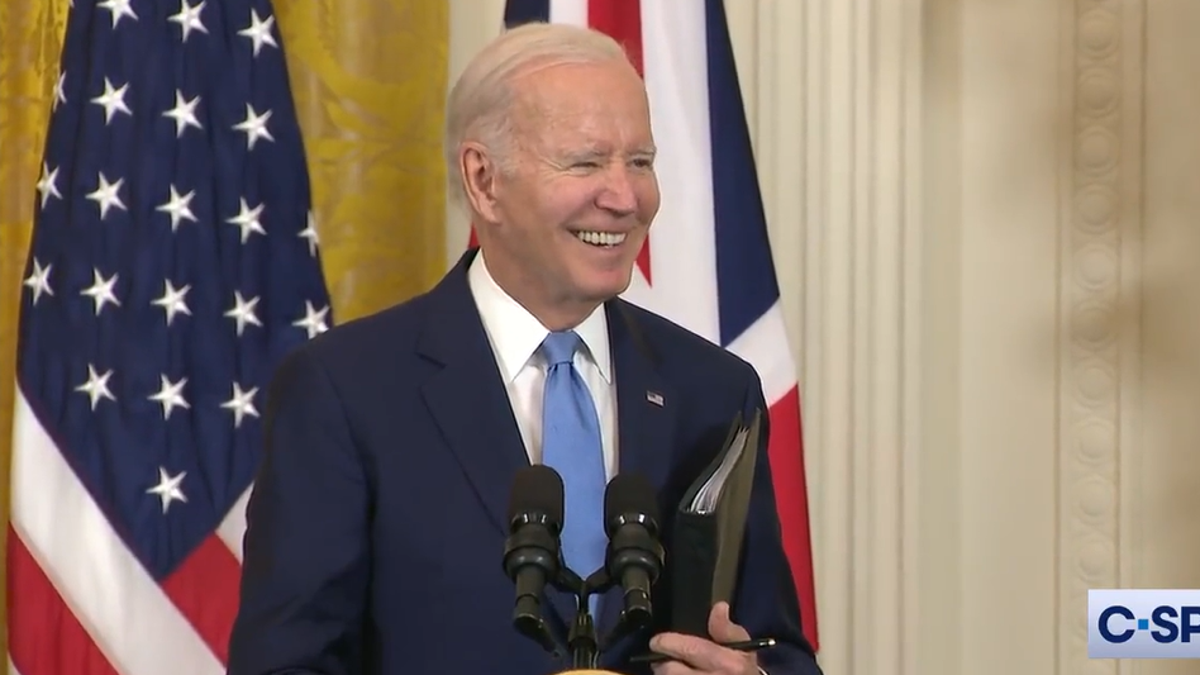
(706, 537)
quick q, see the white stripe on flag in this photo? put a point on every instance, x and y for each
(682, 248)
(233, 528)
(765, 346)
(573, 12)
(12, 670)
(131, 620)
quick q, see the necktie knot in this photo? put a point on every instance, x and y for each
(560, 347)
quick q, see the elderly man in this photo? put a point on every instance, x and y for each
(377, 523)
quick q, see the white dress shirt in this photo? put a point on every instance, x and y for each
(516, 336)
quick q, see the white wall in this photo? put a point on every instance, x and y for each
(987, 221)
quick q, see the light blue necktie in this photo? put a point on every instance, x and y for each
(571, 445)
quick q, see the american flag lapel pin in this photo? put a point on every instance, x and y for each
(655, 398)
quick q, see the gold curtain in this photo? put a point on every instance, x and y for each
(30, 44)
(369, 79)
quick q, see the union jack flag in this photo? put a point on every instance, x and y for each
(174, 262)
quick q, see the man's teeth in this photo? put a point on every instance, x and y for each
(601, 238)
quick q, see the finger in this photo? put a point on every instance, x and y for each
(674, 668)
(688, 649)
(722, 628)
(701, 654)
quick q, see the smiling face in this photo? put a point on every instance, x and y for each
(562, 224)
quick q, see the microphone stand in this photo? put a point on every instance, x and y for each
(582, 641)
(583, 644)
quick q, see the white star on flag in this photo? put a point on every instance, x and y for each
(106, 195)
(259, 31)
(241, 403)
(39, 281)
(247, 220)
(96, 386)
(60, 93)
(243, 312)
(170, 395)
(255, 126)
(310, 233)
(184, 113)
(313, 321)
(172, 300)
(178, 207)
(188, 19)
(113, 100)
(118, 9)
(46, 186)
(101, 290)
(168, 488)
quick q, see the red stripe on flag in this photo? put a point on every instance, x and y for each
(206, 591)
(786, 452)
(44, 637)
(622, 21)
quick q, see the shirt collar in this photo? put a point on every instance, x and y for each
(516, 334)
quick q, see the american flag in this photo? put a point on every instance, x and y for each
(707, 264)
(174, 261)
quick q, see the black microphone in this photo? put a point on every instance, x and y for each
(531, 550)
(635, 553)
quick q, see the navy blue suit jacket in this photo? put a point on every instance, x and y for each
(377, 521)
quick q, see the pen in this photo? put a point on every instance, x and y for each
(747, 646)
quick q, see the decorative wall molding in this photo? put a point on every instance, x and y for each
(1101, 234)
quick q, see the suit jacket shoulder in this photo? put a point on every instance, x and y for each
(677, 347)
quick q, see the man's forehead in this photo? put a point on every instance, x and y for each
(579, 127)
(576, 107)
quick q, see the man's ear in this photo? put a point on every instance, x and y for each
(479, 175)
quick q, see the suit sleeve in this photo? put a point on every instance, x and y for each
(766, 603)
(305, 569)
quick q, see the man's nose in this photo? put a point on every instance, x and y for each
(618, 196)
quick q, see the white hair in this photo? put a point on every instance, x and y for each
(480, 103)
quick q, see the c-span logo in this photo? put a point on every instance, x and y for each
(1143, 624)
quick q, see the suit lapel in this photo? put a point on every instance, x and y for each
(467, 398)
(470, 405)
(646, 410)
